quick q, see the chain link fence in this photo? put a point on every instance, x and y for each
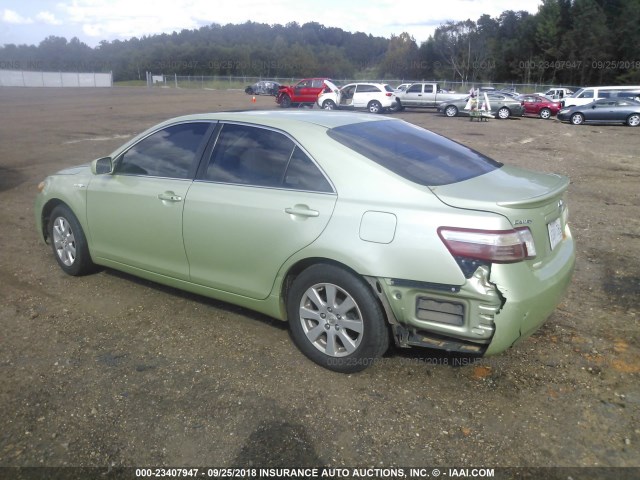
(240, 83)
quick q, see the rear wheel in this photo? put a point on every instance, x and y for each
(68, 242)
(335, 319)
(633, 120)
(577, 119)
(328, 105)
(285, 101)
(451, 111)
(504, 113)
(545, 113)
(374, 107)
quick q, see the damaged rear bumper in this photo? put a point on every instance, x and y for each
(494, 309)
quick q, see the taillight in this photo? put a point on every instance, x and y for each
(388, 94)
(499, 246)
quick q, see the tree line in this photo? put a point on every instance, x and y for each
(571, 42)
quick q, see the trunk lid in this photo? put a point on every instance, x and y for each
(335, 93)
(525, 198)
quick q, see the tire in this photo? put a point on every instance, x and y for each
(68, 242)
(633, 120)
(328, 105)
(395, 107)
(285, 102)
(335, 319)
(374, 107)
(577, 119)
(451, 111)
(545, 113)
(248, 91)
(503, 113)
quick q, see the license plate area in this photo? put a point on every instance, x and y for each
(555, 233)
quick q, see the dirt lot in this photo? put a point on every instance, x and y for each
(111, 370)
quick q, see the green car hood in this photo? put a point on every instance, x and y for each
(85, 168)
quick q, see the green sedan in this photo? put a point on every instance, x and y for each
(358, 230)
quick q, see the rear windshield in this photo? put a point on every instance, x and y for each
(413, 152)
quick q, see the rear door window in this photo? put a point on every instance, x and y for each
(248, 155)
(367, 89)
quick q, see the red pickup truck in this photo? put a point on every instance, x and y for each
(304, 92)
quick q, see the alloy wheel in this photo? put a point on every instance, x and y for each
(331, 319)
(64, 241)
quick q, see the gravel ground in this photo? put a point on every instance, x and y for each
(110, 370)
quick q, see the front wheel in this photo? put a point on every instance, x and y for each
(68, 242)
(328, 105)
(504, 113)
(451, 111)
(374, 107)
(335, 319)
(577, 119)
(633, 120)
(545, 113)
(285, 101)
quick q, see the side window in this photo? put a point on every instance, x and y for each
(317, 83)
(417, 88)
(587, 94)
(303, 174)
(170, 152)
(255, 156)
(367, 88)
(250, 156)
(428, 89)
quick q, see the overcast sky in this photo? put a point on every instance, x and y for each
(31, 21)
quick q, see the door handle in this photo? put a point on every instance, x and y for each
(302, 211)
(170, 197)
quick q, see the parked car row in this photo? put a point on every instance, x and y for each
(619, 105)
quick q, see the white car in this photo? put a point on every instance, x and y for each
(556, 93)
(374, 97)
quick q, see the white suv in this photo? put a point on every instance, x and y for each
(375, 97)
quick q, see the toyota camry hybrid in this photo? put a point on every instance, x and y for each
(357, 229)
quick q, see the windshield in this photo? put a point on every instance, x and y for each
(577, 94)
(413, 152)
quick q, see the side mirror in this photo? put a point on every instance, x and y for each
(593, 106)
(102, 166)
